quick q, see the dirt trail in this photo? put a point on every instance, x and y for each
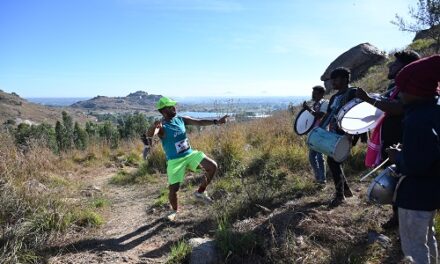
(135, 230)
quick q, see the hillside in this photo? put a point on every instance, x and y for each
(104, 204)
(138, 101)
(17, 110)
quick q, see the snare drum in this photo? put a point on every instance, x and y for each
(330, 144)
(358, 117)
(381, 189)
(304, 122)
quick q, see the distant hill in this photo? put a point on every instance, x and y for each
(138, 101)
(15, 109)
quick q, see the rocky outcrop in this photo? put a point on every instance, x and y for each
(427, 33)
(137, 101)
(358, 59)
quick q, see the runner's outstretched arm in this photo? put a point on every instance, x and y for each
(204, 122)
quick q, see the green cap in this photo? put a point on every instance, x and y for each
(165, 102)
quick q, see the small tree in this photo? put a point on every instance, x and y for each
(426, 16)
(68, 129)
(60, 134)
(80, 137)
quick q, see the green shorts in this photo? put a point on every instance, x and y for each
(176, 168)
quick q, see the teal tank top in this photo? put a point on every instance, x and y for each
(175, 142)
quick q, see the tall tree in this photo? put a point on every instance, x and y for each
(426, 16)
(68, 129)
(80, 137)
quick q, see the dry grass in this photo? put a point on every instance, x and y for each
(35, 187)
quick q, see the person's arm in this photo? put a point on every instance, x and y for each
(156, 129)
(390, 107)
(204, 122)
(314, 113)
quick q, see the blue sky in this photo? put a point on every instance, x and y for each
(84, 48)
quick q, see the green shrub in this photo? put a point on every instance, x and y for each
(156, 160)
(162, 199)
(87, 218)
(100, 202)
(180, 253)
(132, 159)
(122, 178)
(232, 243)
(421, 44)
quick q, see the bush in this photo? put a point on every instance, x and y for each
(88, 218)
(156, 160)
(162, 199)
(180, 253)
(233, 243)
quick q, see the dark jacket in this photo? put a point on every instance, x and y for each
(337, 101)
(419, 159)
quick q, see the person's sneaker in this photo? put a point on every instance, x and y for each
(337, 201)
(203, 197)
(172, 216)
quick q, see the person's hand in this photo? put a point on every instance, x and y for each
(393, 151)
(157, 127)
(223, 119)
(306, 106)
(361, 94)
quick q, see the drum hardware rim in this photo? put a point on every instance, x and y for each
(296, 121)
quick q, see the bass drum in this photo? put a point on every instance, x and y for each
(304, 122)
(358, 117)
(381, 189)
(329, 144)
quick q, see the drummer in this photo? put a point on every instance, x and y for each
(418, 196)
(391, 130)
(318, 110)
(340, 79)
(392, 126)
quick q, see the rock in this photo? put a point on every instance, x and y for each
(204, 251)
(382, 239)
(358, 59)
(34, 186)
(300, 243)
(90, 191)
(427, 33)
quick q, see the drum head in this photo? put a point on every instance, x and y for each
(303, 122)
(360, 118)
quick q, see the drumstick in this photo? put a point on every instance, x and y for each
(375, 169)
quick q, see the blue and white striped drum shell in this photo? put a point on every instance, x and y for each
(330, 144)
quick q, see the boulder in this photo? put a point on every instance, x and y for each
(358, 59)
(427, 33)
(204, 251)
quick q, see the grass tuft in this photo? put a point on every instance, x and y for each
(180, 253)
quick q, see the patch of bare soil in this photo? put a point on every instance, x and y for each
(135, 230)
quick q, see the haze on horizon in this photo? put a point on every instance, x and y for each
(184, 48)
